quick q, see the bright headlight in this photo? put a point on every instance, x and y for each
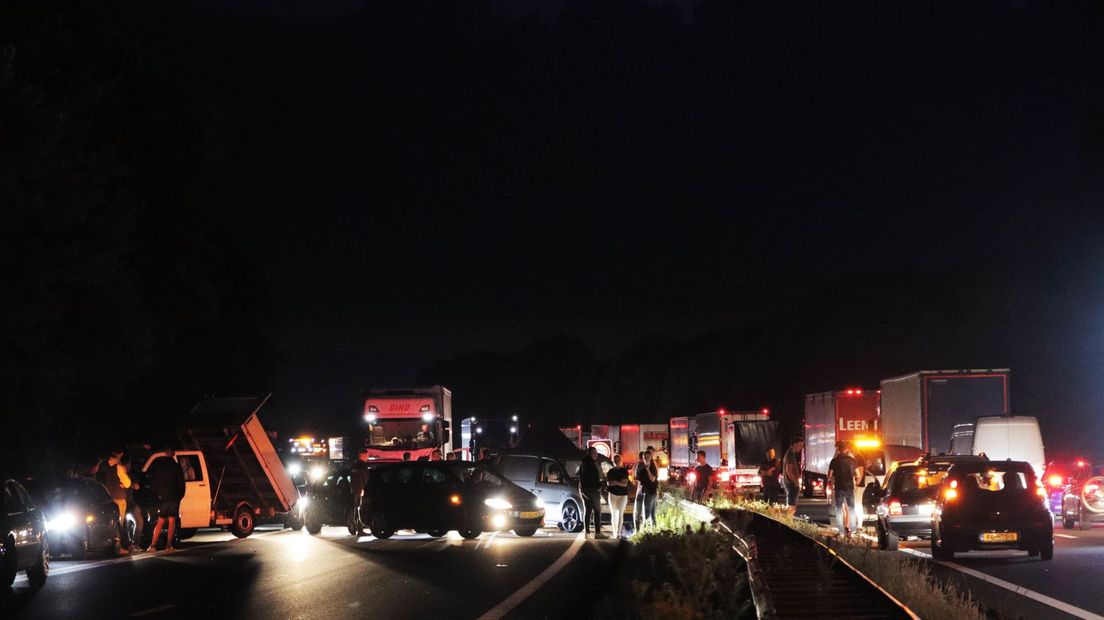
(539, 503)
(61, 522)
(295, 469)
(318, 473)
(304, 502)
(498, 503)
(428, 416)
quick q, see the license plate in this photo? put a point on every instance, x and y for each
(999, 537)
(531, 514)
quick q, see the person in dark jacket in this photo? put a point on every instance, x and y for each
(113, 475)
(358, 477)
(166, 481)
(590, 484)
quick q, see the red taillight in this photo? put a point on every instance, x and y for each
(724, 476)
(455, 499)
(691, 477)
(818, 483)
(950, 494)
(1080, 463)
(1055, 480)
(1040, 491)
(895, 508)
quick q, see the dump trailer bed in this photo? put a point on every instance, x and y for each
(242, 462)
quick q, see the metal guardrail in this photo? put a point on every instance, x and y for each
(848, 593)
(748, 550)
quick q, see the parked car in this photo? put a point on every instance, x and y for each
(1083, 499)
(1010, 437)
(24, 542)
(554, 480)
(329, 501)
(1057, 479)
(905, 506)
(436, 497)
(991, 505)
(80, 515)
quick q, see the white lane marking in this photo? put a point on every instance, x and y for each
(1065, 536)
(153, 610)
(1022, 591)
(57, 571)
(506, 606)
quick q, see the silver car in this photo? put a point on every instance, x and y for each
(545, 477)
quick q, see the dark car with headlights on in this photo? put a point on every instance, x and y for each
(438, 496)
(80, 515)
(991, 505)
(24, 543)
(328, 500)
(905, 508)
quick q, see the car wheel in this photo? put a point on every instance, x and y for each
(469, 534)
(380, 527)
(569, 518)
(525, 532)
(243, 522)
(1067, 522)
(116, 542)
(185, 533)
(312, 522)
(1085, 524)
(436, 533)
(8, 568)
(1046, 553)
(883, 543)
(37, 574)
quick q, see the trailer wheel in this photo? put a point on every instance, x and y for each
(243, 522)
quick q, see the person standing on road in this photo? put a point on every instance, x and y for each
(791, 473)
(617, 481)
(358, 477)
(768, 477)
(649, 484)
(638, 502)
(703, 481)
(166, 481)
(590, 485)
(113, 475)
(841, 474)
(860, 476)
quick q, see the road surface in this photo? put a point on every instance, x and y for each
(285, 574)
(1067, 586)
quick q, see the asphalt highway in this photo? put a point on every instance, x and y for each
(285, 574)
(1064, 587)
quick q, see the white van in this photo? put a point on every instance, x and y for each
(1010, 437)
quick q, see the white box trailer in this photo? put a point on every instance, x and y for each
(922, 409)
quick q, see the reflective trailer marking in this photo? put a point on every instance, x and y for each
(506, 606)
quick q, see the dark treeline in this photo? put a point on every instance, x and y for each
(851, 335)
(850, 198)
(121, 301)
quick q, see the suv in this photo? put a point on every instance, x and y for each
(1083, 499)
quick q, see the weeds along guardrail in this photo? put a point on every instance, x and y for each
(906, 580)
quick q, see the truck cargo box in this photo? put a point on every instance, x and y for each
(921, 409)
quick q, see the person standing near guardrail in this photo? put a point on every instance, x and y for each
(617, 483)
(791, 472)
(768, 477)
(649, 486)
(841, 474)
(703, 481)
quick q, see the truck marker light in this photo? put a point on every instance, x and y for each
(89, 518)
(455, 499)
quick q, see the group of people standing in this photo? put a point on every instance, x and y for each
(155, 493)
(645, 477)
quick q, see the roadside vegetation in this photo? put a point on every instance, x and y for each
(680, 569)
(908, 579)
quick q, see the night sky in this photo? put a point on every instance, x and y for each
(413, 181)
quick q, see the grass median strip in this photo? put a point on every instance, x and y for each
(680, 569)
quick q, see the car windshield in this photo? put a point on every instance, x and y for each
(910, 479)
(67, 491)
(401, 434)
(477, 476)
